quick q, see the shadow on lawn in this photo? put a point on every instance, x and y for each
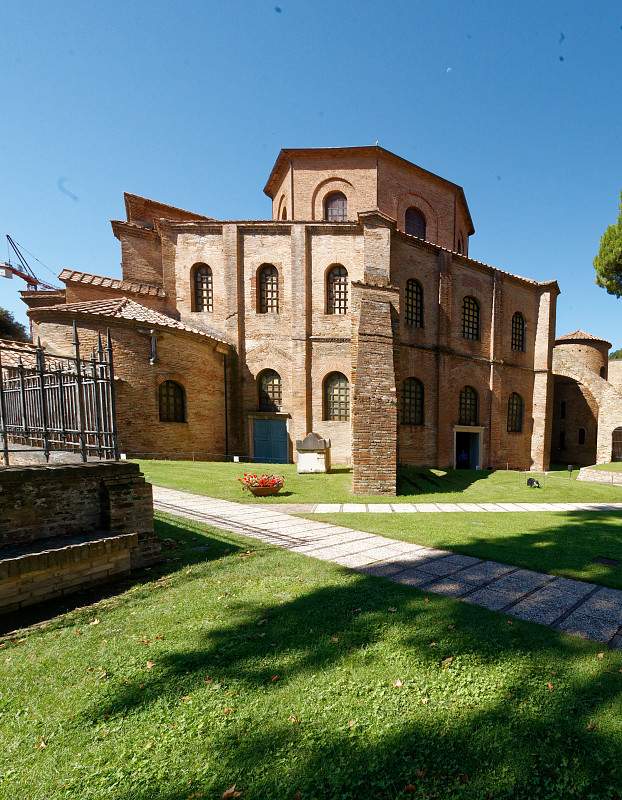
(419, 480)
(530, 743)
(568, 548)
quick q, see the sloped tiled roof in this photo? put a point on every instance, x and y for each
(12, 352)
(581, 336)
(136, 287)
(123, 308)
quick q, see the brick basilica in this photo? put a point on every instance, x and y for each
(354, 312)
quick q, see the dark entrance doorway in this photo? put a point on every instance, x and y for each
(467, 450)
(270, 441)
(616, 445)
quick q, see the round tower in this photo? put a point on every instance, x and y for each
(581, 350)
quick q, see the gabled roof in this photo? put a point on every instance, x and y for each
(137, 207)
(122, 308)
(581, 336)
(287, 153)
(136, 287)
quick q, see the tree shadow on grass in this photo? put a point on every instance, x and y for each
(569, 547)
(528, 742)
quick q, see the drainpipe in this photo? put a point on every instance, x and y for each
(226, 400)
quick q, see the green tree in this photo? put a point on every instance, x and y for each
(616, 355)
(608, 262)
(10, 328)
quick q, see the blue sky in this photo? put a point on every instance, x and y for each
(189, 104)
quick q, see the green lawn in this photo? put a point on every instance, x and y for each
(219, 479)
(295, 679)
(559, 543)
(613, 466)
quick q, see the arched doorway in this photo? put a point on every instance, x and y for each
(616, 445)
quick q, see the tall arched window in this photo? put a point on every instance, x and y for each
(270, 390)
(412, 402)
(518, 332)
(581, 435)
(268, 286)
(616, 445)
(515, 413)
(414, 303)
(203, 288)
(337, 290)
(469, 407)
(336, 207)
(172, 401)
(470, 318)
(336, 397)
(284, 213)
(414, 222)
(460, 245)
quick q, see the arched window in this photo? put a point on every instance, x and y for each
(581, 435)
(414, 222)
(284, 213)
(515, 413)
(336, 207)
(470, 318)
(616, 445)
(337, 290)
(412, 402)
(336, 397)
(270, 390)
(518, 332)
(562, 440)
(172, 401)
(460, 245)
(414, 303)
(203, 288)
(268, 297)
(468, 411)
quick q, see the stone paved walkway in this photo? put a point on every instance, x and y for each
(585, 609)
(427, 508)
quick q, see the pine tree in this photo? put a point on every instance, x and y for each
(608, 262)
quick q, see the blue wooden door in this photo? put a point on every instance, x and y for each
(270, 441)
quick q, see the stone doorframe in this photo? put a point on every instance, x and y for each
(478, 429)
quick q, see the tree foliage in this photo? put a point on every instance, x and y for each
(616, 355)
(608, 262)
(10, 328)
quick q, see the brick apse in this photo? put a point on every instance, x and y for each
(354, 312)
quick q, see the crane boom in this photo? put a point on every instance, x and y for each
(24, 270)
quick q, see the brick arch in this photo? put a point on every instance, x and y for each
(608, 398)
(409, 199)
(325, 188)
(282, 203)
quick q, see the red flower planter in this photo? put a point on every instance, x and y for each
(264, 491)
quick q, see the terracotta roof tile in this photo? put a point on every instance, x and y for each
(135, 287)
(125, 309)
(581, 336)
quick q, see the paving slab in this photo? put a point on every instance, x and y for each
(600, 629)
(379, 508)
(327, 508)
(574, 607)
(403, 508)
(357, 508)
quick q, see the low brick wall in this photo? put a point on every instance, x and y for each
(599, 476)
(35, 577)
(63, 528)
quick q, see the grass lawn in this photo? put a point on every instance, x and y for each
(218, 479)
(297, 680)
(559, 543)
(613, 466)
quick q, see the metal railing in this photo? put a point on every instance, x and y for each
(58, 403)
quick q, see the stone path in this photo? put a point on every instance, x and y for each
(427, 508)
(585, 609)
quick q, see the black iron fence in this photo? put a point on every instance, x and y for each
(58, 403)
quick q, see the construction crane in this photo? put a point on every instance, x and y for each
(23, 271)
